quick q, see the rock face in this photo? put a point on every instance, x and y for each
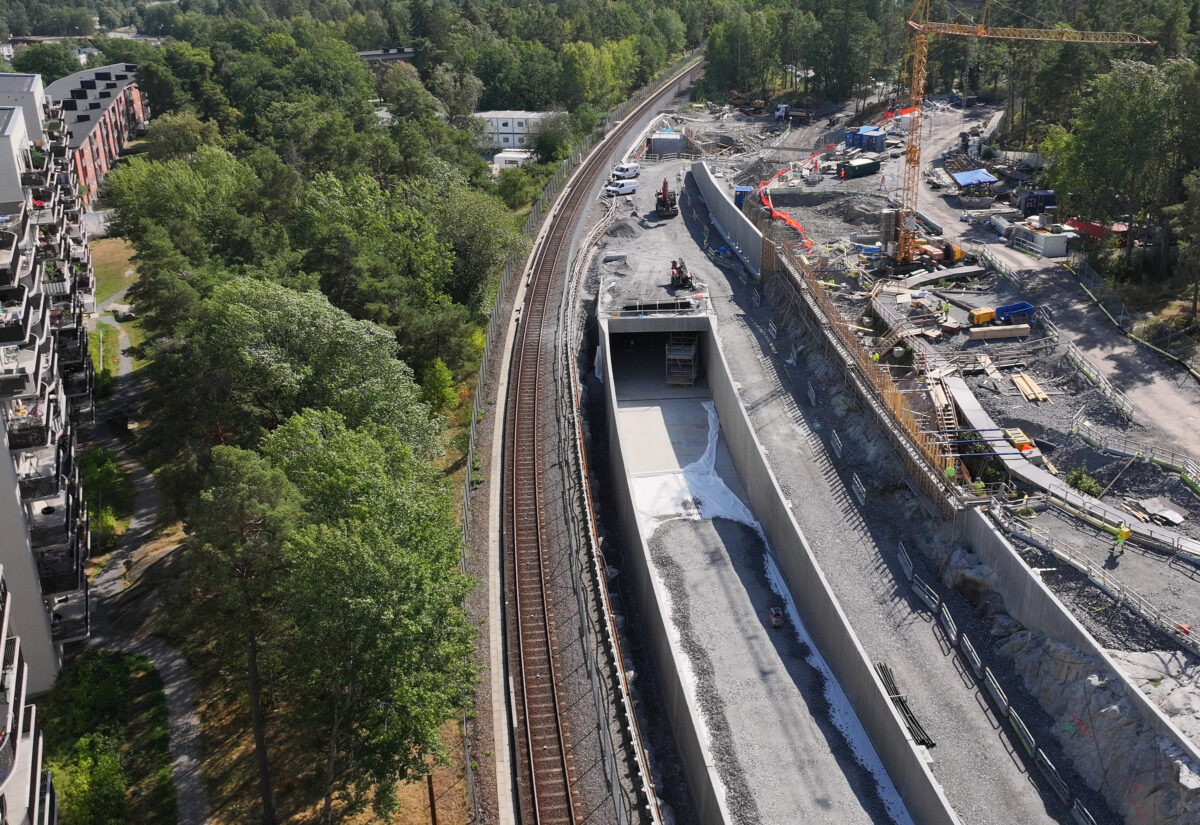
(1171, 680)
(1118, 753)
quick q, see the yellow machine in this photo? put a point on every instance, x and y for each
(982, 315)
(925, 29)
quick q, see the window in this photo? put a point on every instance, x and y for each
(520, 124)
(504, 125)
(521, 140)
(506, 139)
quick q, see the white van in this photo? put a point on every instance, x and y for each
(621, 187)
(627, 170)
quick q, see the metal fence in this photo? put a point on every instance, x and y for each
(498, 318)
(1182, 345)
(1090, 370)
(1182, 463)
(1101, 577)
(989, 684)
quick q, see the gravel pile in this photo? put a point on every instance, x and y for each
(738, 796)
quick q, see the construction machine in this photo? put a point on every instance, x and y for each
(925, 29)
(665, 203)
(681, 277)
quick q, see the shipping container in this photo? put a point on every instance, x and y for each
(740, 193)
(1037, 201)
(857, 168)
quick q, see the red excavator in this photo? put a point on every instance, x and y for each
(665, 203)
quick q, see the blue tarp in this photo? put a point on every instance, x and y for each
(973, 177)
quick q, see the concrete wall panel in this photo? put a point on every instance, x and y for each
(820, 611)
(741, 235)
(1030, 602)
(682, 714)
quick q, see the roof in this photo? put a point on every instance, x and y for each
(76, 92)
(13, 82)
(510, 113)
(973, 177)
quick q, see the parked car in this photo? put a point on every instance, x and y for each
(626, 170)
(776, 617)
(621, 187)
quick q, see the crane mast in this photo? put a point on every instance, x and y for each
(924, 29)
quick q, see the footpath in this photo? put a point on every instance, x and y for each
(183, 723)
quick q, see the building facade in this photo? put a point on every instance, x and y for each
(103, 109)
(46, 379)
(505, 129)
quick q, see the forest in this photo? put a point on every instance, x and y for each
(318, 247)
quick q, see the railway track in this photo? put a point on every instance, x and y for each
(547, 792)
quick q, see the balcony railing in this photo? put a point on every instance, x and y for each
(61, 569)
(71, 617)
(48, 804)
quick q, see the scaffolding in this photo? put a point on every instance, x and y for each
(681, 359)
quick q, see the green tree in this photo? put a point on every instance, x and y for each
(551, 138)
(514, 187)
(240, 524)
(384, 653)
(266, 352)
(1185, 223)
(50, 60)
(437, 387)
(178, 136)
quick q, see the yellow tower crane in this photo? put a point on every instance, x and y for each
(924, 29)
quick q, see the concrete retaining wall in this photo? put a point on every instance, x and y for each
(741, 235)
(1029, 601)
(819, 608)
(682, 714)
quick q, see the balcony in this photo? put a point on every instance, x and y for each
(70, 616)
(60, 569)
(47, 209)
(36, 422)
(48, 801)
(22, 318)
(54, 522)
(46, 471)
(12, 699)
(24, 369)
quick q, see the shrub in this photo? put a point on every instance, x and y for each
(437, 387)
(1084, 482)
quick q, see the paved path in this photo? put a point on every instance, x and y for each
(183, 724)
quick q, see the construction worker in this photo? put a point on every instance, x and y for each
(843, 176)
(875, 357)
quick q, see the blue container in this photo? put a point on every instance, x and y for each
(1020, 310)
(739, 194)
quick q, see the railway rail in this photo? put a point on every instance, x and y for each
(547, 792)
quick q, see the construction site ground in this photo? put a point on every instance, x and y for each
(981, 768)
(1166, 398)
(793, 762)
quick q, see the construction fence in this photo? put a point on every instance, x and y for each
(1100, 576)
(1187, 467)
(791, 284)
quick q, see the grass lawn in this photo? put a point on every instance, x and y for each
(106, 741)
(114, 271)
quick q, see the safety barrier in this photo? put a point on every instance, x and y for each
(1187, 467)
(835, 441)
(1156, 335)
(1091, 371)
(1098, 575)
(860, 492)
(789, 281)
(991, 685)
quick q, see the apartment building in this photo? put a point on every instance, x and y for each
(45, 388)
(507, 129)
(27, 794)
(103, 109)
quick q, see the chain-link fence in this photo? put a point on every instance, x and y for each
(515, 266)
